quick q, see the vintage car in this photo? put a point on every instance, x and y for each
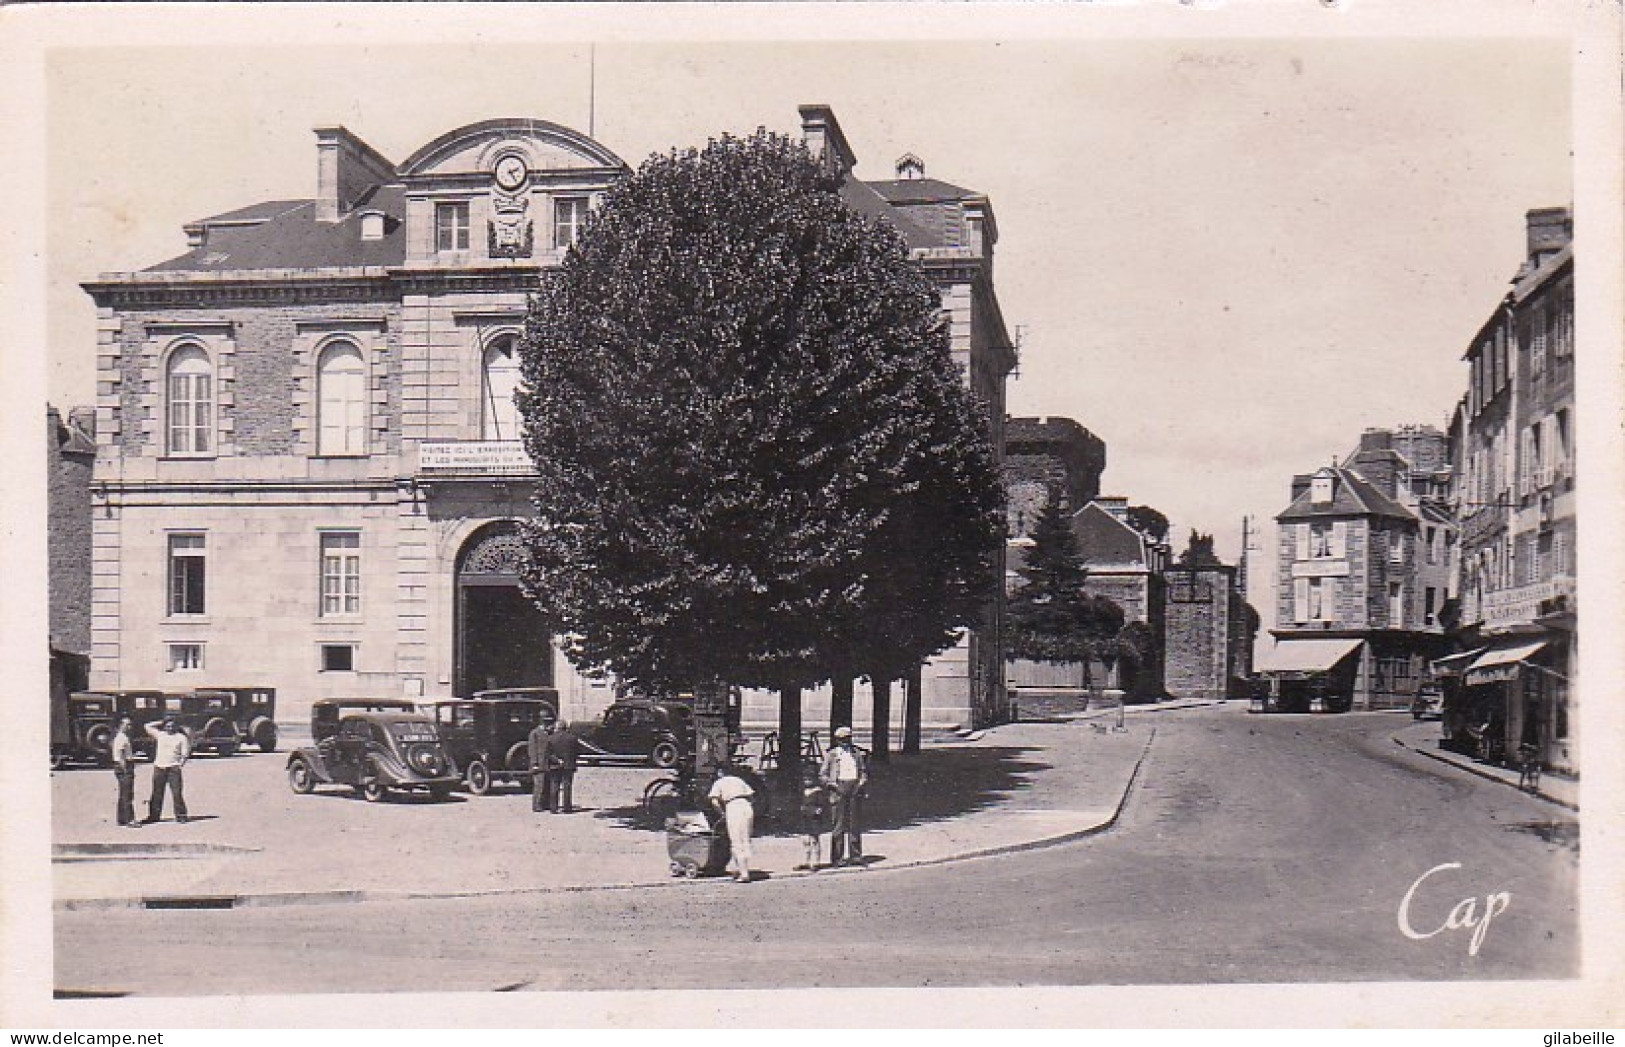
(82, 726)
(641, 729)
(489, 738)
(253, 710)
(325, 713)
(550, 695)
(1428, 704)
(374, 753)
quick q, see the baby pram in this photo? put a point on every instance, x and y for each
(697, 846)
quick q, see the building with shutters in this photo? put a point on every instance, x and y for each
(307, 458)
(1517, 629)
(1354, 624)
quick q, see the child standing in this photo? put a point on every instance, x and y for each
(814, 822)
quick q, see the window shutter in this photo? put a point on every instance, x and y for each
(1300, 599)
(1340, 538)
(1303, 543)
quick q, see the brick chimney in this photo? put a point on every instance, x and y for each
(1549, 229)
(346, 167)
(822, 134)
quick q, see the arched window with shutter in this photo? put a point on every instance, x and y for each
(341, 381)
(498, 413)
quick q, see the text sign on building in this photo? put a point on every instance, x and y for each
(1320, 569)
(475, 457)
(1522, 604)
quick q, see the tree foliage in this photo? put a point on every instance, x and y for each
(757, 459)
(1052, 618)
(1148, 522)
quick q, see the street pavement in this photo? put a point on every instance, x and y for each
(1250, 849)
(251, 841)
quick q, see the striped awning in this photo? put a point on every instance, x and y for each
(1501, 663)
(1455, 664)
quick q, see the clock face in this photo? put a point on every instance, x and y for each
(510, 172)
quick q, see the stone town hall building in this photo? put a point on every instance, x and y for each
(308, 462)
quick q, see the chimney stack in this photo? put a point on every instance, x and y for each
(822, 134)
(346, 167)
(1549, 230)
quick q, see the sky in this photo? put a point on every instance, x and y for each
(1224, 257)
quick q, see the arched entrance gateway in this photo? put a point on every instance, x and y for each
(502, 639)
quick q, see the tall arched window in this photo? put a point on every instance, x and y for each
(499, 415)
(191, 402)
(341, 380)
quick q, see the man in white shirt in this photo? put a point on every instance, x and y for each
(845, 772)
(122, 753)
(170, 751)
(731, 797)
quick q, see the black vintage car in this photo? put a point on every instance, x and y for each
(253, 710)
(374, 753)
(489, 738)
(325, 713)
(640, 729)
(82, 726)
(83, 731)
(550, 695)
(207, 718)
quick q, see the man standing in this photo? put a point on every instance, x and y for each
(731, 796)
(563, 754)
(845, 772)
(122, 752)
(170, 752)
(540, 779)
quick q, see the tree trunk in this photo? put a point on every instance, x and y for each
(789, 769)
(912, 700)
(880, 731)
(840, 703)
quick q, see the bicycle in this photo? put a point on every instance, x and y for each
(1529, 768)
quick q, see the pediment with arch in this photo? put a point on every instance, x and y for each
(475, 148)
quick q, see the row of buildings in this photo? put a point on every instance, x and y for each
(1196, 614)
(306, 459)
(1429, 559)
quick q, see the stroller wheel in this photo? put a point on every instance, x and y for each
(676, 869)
(691, 871)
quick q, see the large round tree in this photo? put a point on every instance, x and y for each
(735, 389)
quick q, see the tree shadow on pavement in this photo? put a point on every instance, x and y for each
(937, 784)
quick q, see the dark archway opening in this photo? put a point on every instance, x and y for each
(503, 640)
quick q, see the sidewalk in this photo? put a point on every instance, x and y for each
(251, 841)
(1422, 736)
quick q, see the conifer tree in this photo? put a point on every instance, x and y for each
(1052, 618)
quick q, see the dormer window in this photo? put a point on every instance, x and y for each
(451, 226)
(1320, 488)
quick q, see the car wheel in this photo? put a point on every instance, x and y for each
(664, 755)
(99, 738)
(518, 758)
(372, 790)
(478, 777)
(263, 732)
(301, 779)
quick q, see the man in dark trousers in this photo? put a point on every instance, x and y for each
(122, 753)
(563, 753)
(540, 779)
(171, 748)
(845, 772)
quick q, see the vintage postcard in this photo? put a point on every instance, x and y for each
(684, 515)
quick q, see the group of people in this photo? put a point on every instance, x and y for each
(830, 803)
(554, 755)
(171, 750)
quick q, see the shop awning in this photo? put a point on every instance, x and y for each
(1455, 664)
(1305, 656)
(1501, 663)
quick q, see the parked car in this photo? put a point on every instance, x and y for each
(209, 719)
(642, 729)
(375, 752)
(82, 726)
(254, 710)
(325, 713)
(1428, 704)
(489, 738)
(550, 695)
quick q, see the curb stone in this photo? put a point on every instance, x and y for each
(289, 898)
(1481, 773)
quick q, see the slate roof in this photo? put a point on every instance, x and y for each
(1352, 495)
(862, 198)
(284, 234)
(920, 191)
(1105, 539)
